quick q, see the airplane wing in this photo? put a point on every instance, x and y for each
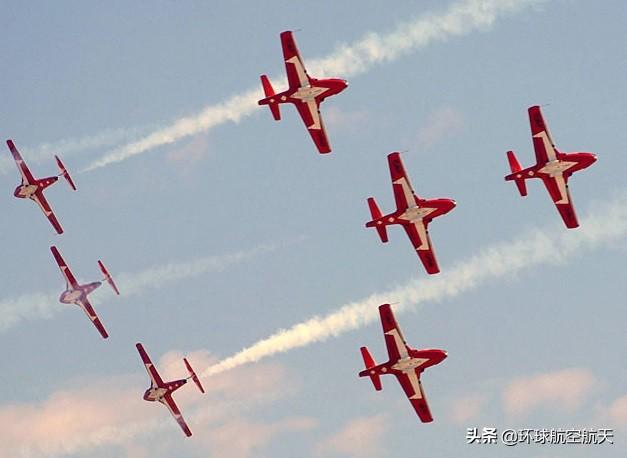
(150, 368)
(394, 341)
(65, 270)
(91, 313)
(410, 381)
(27, 177)
(419, 237)
(310, 112)
(558, 190)
(403, 192)
(296, 73)
(542, 141)
(176, 413)
(39, 198)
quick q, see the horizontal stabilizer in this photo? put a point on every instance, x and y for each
(108, 277)
(515, 167)
(65, 173)
(269, 100)
(376, 216)
(193, 375)
(369, 362)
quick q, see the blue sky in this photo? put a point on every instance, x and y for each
(231, 233)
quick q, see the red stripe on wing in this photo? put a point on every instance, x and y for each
(63, 267)
(417, 399)
(176, 413)
(290, 53)
(150, 368)
(27, 177)
(91, 313)
(40, 200)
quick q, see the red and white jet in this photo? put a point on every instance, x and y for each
(412, 212)
(553, 167)
(32, 188)
(162, 391)
(77, 294)
(304, 92)
(405, 363)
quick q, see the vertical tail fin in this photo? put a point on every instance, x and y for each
(376, 215)
(193, 375)
(515, 167)
(65, 173)
(369, 362)
(269, 100)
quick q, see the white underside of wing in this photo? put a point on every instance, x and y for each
(313, 109)
(548, 146)
(561, 185)
(398, 341)
(413, 380)
(300, 70)
(422, 232)
(407, 192)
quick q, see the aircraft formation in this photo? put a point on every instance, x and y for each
(412, 212)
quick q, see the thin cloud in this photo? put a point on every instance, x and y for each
(244, 438)
(617, 412)
(606, 225)
(360, 438)
(79, 419)
(466, 408)
(440, 125)
(565, 390)
(353, 59)
(352, 121)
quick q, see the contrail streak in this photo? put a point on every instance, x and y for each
(65, 148)
(45, 305)
(348, 60)
(606, 225)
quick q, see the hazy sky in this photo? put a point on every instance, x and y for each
(223, 227)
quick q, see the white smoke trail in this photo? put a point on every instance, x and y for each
(155, 277)
(40, 305)
(71, 146)
(606, 225)
(459, 19)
